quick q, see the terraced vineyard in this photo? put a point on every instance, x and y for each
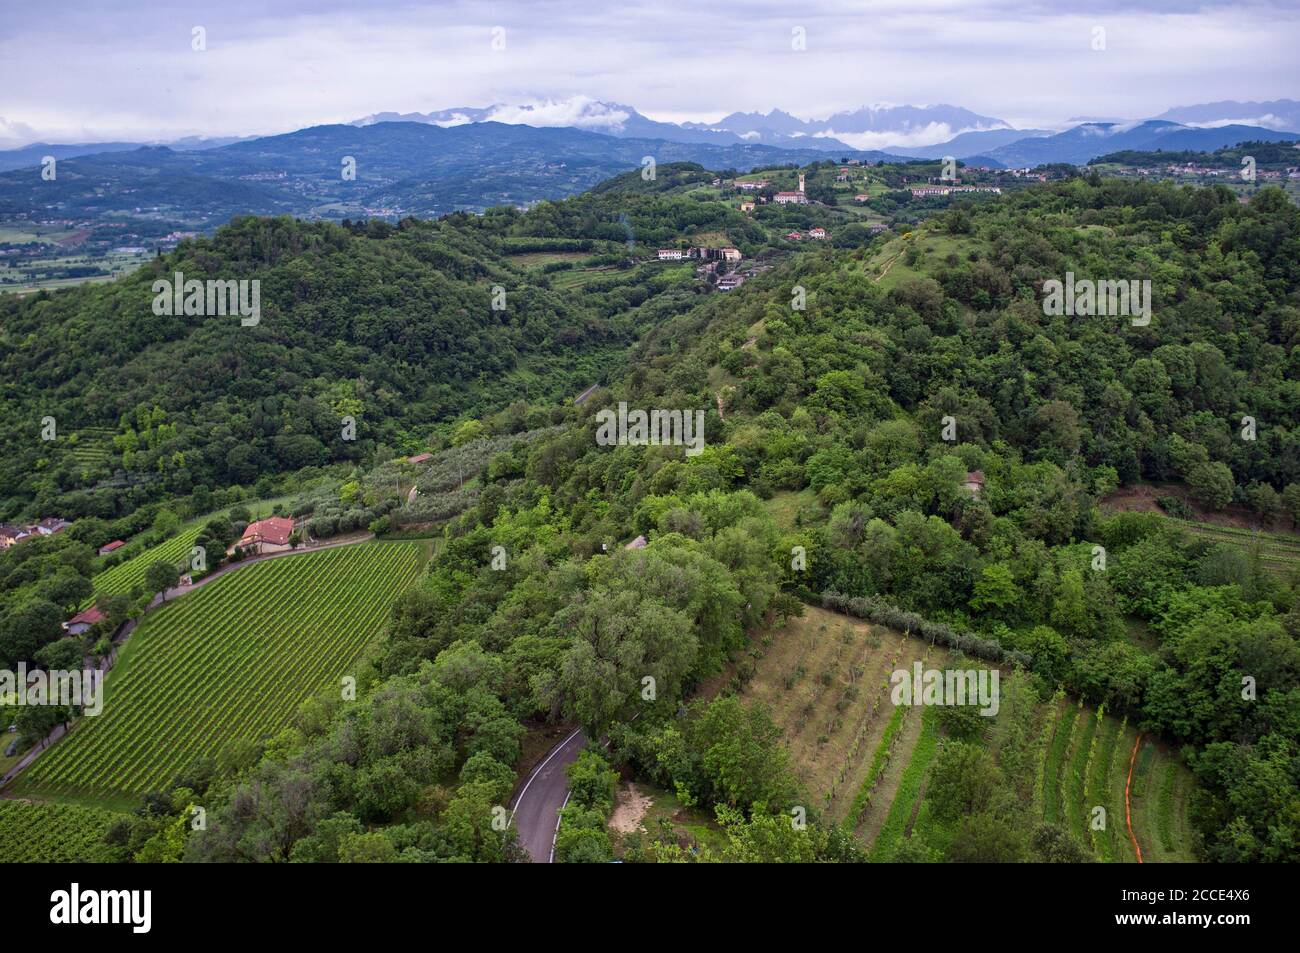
(53, 833)
(1278, 552)
(125, 576)
(825, 679)
(232, 660)
(128, 574)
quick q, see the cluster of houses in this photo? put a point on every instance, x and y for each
(11, 535)
(702, 254)
(922, 191)
(816, 232)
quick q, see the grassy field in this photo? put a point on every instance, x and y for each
(865, 762)
(232, 660)
(53, 833)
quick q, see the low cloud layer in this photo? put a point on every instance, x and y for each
(129, 69)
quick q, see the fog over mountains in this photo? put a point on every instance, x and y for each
(929, 131)
(874, 132)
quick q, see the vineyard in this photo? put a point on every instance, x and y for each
(53, 833)
(128, 574)
(125, 576)
(825, 679)
(232, 660)
(1278, 552)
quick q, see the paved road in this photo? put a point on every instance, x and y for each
(535, 810)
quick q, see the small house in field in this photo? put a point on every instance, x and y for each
(420, 458)
(974, 482)
(8, 535)
(747, 207)
(83, 620)
(270, 535)
(862, 197)
(817, 232)
(795, 236)
(111, 547)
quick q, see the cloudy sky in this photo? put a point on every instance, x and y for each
(77, 70)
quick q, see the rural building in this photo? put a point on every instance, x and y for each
(747, 206)
(83, 620)
(671, 254)
(110, 547)
(974, 482)
(730, 282)
(753, 186)
(270, 535)
(862, 197)
(817, 232)
(8, 535)
(791, 198)
(731, 254)
(795, 236)
(638, 543)
(420, 458)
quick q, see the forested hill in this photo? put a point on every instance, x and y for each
(392, 324)
(826, 435)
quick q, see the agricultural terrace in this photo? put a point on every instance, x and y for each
(866, 762)
(232, 660)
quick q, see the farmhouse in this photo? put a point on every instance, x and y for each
(638, 543)
(671, 254)
(795, 236)
(791, 198)
(731, 254)
(270, 535)
(420, 458)
(83, 620)
(730, 282)
(974, 483)
(747, 207)
(110, 547)
(753, 186)
(817, 232)
(8, 535)
(862, 197)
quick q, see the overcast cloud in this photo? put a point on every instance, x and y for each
(79, 70)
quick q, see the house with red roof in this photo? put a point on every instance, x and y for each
(420, 458)
(270, 535)
(110, 547)
(83, 620)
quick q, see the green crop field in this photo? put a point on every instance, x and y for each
(232, 660)
(53, 833)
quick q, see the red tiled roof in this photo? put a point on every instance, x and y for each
(89, 616)
(975, 476)
(109, 547)
(419, 458)
(274, 530)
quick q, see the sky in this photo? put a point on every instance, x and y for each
(97, 70)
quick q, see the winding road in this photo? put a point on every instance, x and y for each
(535, 809)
